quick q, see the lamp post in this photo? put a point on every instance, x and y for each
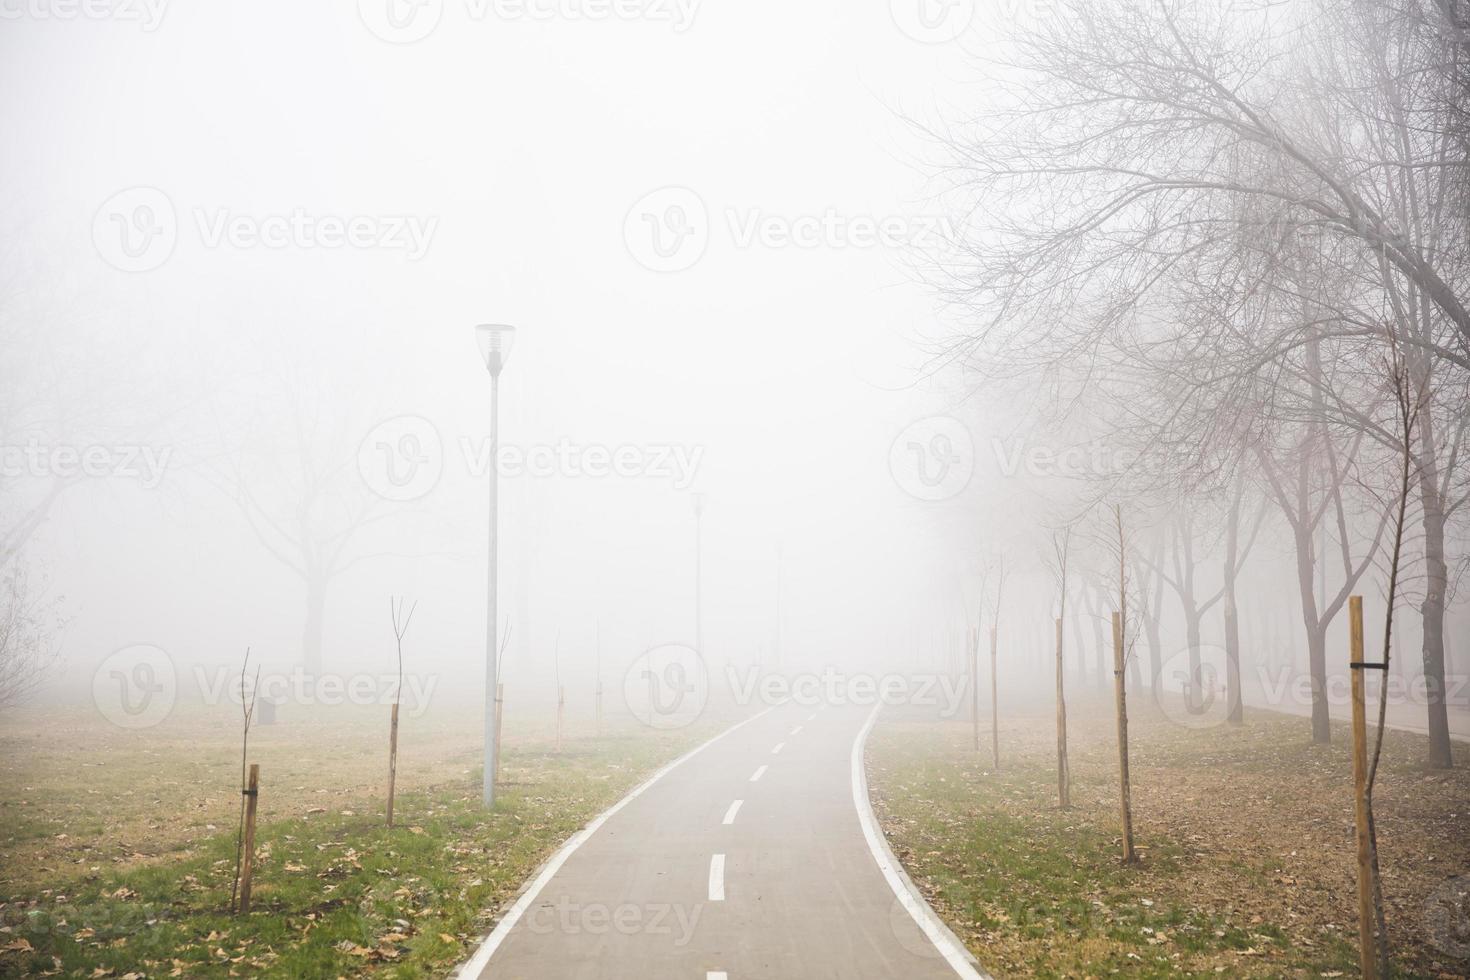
(495, 341)
(699, 573)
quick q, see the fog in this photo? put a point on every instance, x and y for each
(247, 248)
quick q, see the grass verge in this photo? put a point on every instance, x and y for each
(1248, 866)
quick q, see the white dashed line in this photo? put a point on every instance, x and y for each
(730, 813)
(796, 730)
(812, 716)
(778, 748)
(758, 774)
(713, 975)
(717, 878)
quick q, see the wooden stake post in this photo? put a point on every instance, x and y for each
(1367, 943)
(1064, 776)
(247, 867)
(1125, 794)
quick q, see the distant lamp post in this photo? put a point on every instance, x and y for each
(495, 342)
(699, 573)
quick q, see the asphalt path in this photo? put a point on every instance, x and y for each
(754, 856)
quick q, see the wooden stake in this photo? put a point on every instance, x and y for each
(1125, 795)
(392, 760)
(1367, 943)
(1064, 776)
(994, 710)
(499, 724)
(974, 638)
(247, 869)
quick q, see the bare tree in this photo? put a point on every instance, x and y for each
(27, 624)
(1061, 546)
(400, 629)
(247, 712)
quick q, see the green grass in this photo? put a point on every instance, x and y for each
(335, 894)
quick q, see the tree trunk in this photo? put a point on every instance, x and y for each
(311, 634)
(1317, 658)
(1432, 610)
(1193, 685)
(1236, 713)
(1316, 632)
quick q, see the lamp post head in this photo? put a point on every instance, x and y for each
(495, 340)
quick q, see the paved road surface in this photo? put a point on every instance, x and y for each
(680, 882)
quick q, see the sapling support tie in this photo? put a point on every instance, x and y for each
(1364, 665)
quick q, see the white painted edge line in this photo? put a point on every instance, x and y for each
(477, 963)
(758, 774)
(716, 975)
(953, 951)
(717, 878)
(730, 813)
(778, 748)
